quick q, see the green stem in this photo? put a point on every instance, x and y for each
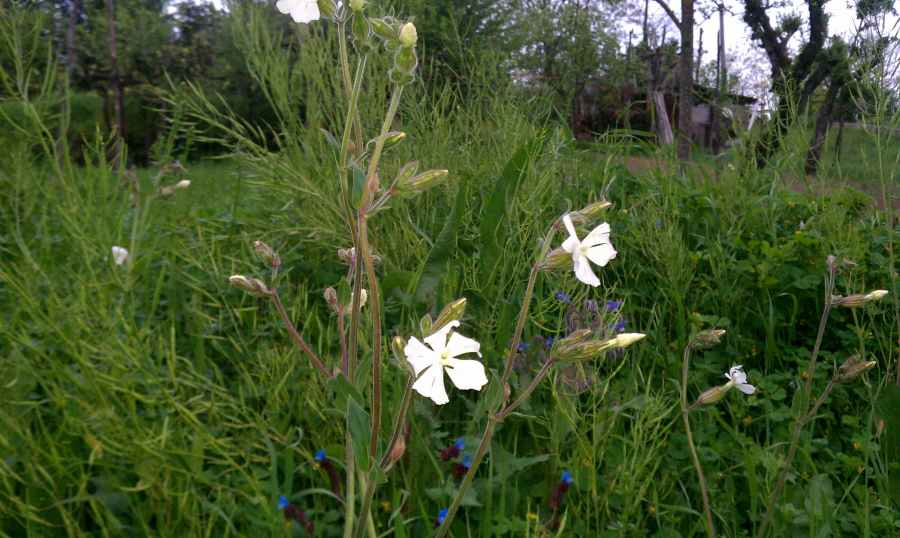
(345, 71)
(376, 336)
(385, 128)
(798, 426)
(534, 383)
(467, 480)
(364, 508)
(690, 440)
(821, 399)
(386, 462)
(349, 512)
(297, 338)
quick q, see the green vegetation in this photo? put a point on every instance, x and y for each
(153, 399)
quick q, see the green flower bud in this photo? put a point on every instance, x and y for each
(408, 35)
(405, 61)
(557, 258)
(594, 210)
(451, 312)
(425, 325)
(250, 285)
(357, 5)
(326, 8)
(712, 395)
(852, 368)
(398, 344)
(360, 26)
(707, 339)
(853, 301)
(385, 29)
(421, 182)
(583, 350)
(266, 254)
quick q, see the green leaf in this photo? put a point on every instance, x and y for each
(886, 409)
(435, 265)
(332, 141)
(493, 223)
(343, 390)
(376, 475)
(344, 293)
(800, 404)
(359, 184)
(494, 397)
(360, 432)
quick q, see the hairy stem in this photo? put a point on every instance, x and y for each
(297, 338)
(534, 383)
(386, 462)
(690, 439)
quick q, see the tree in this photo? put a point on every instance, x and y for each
(685, 26)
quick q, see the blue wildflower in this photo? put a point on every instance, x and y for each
(659, 224)
(320, 455)
(561, 297)
(523, 345)
(549, 341)
(461, 444)
(567, 477)
(612, 306)
(282, 502)
(442, 515)
(467, 461)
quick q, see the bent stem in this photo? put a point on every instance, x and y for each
(690, 439)
(798, 425)
(386, 462)
(297, 338)
(493, 420)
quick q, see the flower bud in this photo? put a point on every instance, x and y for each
(331, 296)
(712, 395)
(373, 183)
(876, 295)
(452, 312)
(398, 344)
(408, 35)
(852, 368)
(357, 5)
(405, 62)
(392, 139)
(360, 27)
(594, 210)
(421, 182)
(347, 255)
(327, 8)
(399, 449)
(385, 29)
(425, 325)
(626, 339)
(853, 301)
(584, 350)
(266, 254)
(250, 285)
(707, 339)
(184, 183)
(557, 258)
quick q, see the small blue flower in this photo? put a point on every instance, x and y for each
(320, 455)
(659, 224)
(467, 461)
(619, 325)
(549, 341)
(461, 444)
(282, 502)
(567, 477)
(524, 345)
(442, 515)
(612, 306)
(561, 297)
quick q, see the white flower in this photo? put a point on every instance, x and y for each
(595, 247)
(429, 363)
(120, 255)
(182, 184)
(300, 10)
(876, 295)
(739, 379)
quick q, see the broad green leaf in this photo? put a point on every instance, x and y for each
(435, 265)
(800, 404)
(360, 432)
(343, 390)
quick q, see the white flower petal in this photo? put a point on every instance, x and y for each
(418, 355)
(583, 271)
(119, 255)
(459, 344)
(598, 236)
(745, 388)
(571, 244)
(300, 10)
(431, 385)
(601, 254)
(567, 220)
(438, 340)
(466, 375)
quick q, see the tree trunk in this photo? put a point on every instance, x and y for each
(70, 68)
(663, 127)
(823, 120)
(685, 82)
(115, 85)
